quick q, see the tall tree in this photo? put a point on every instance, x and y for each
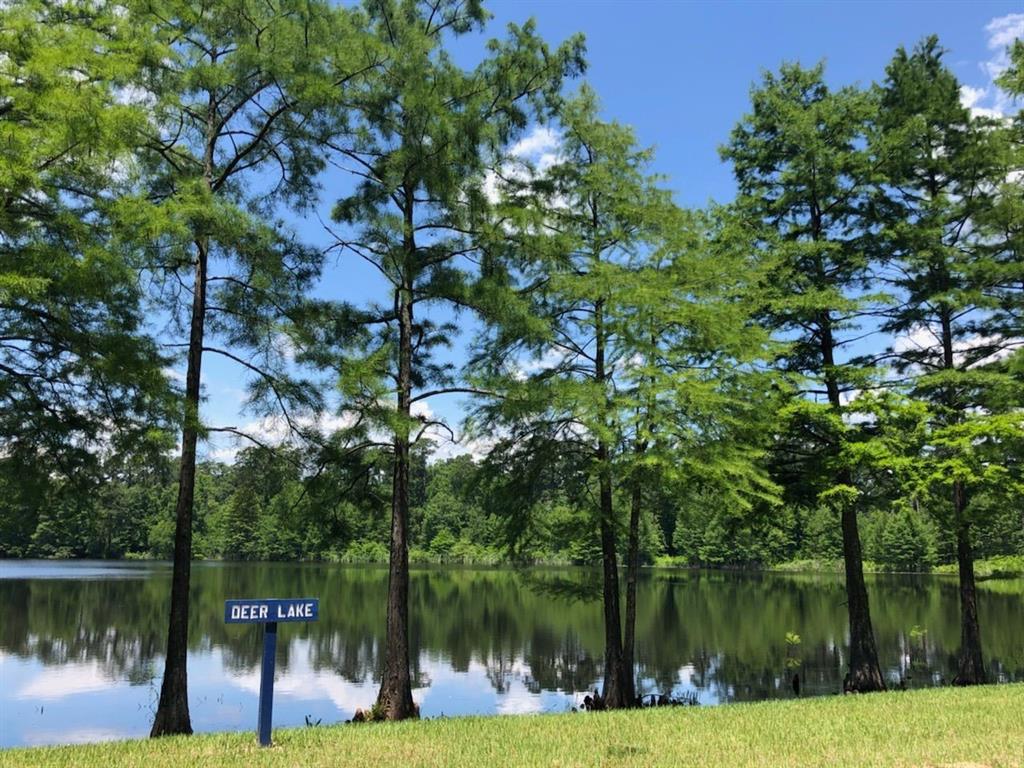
(79, 377)
(804, 180)
(611, 361)
(423, 132)
(242, 96)
(694, 396)
(575, 229)
(942, 173)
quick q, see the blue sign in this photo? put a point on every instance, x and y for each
(269, 613)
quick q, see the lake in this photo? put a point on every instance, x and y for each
(81, 642)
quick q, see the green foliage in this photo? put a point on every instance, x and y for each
(422, 132)
(804, 182)
(364, 552)
(793, 659)
(148, 138)
(901, 539)
(949, 218)
(240, 100)
(636, 371)
(821, 534)
(1003, 567)
(270, 506)
(78, 375)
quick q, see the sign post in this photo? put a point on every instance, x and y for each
(269, 613)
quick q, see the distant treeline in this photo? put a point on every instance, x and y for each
(269, 506)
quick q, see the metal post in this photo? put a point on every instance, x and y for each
(267, 682)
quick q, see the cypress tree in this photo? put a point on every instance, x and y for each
(628, 359)
(804, 180)
(953, 310)
(241, 98)
(425, 131)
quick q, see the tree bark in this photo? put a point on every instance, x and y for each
(615, 693)
(971, 668)
(394, 700)
(633, 568)
(865, 674)
(172, 715)
(632, 574)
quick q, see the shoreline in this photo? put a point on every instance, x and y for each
(1007, 567)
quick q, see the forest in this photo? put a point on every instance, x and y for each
(827, 367)
(265, 506)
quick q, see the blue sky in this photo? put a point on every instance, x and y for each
(680, 73)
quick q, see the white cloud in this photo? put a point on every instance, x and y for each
(538, 148)
(923, 338)
(990, 100)
(491, 186)
(538, 142)
(463, 445)
(445, 445)
(285, 347)
(852, 417)
(1002, 31)
(273, 430)
(551, 358)
(65, 680)
(970, 97)
(920, 337)
(845, 398)
(519, 700)
(133, 95)
(422, 409)
(303, 682)
(224, 455)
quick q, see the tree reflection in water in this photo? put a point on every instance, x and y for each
(481, 635)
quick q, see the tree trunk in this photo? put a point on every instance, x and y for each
(172, 714)
(395, 697)
(615, 693)
(632, 574)
(394, 701)
(971, 669)
(865, 674)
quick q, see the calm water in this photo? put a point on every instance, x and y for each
(80, 643)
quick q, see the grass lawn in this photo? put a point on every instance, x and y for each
(967, 728)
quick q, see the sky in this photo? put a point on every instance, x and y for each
(680, 74)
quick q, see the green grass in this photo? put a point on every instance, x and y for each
(811, 566)
(1005, 567)
(947, 727)
(1002, 567)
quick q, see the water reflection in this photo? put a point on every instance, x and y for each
(79, 642)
